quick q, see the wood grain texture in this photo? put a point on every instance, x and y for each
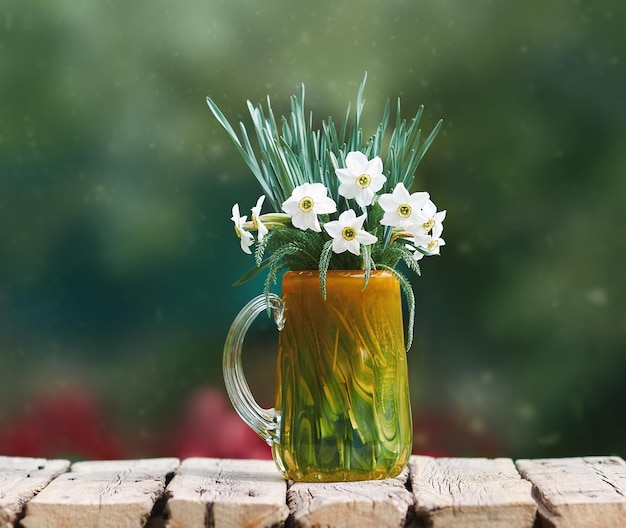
(587, 492)
(367, 504)
(225, 493)
(20, 480)
(471, 493)
(116, 494)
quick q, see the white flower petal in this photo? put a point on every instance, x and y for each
(333, 228)
(256, 213)
(347, 217)
(419, 199)
(344, 175)
(437, 230)
(339, 244)
(247, 240)
(422, 240)
(356, 160)
(259, 204)
(387, 201)
(375, 166)
(429, 208)
(366, 238)
(354, 247)
(358, 221)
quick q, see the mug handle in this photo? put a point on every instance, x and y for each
(264, 422)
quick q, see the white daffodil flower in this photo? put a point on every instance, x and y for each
(434, 222)
(403, 209)
(361, 178)
(246, 238)
(256, 221)
(429, 243)
(305, 203)
(348, 233)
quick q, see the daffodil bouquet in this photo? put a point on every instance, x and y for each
(336, 201)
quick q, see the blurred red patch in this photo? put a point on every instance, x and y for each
(61, 423)
(211, 428)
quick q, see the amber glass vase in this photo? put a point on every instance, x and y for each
(342, 409)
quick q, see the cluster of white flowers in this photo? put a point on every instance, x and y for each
(413, 217)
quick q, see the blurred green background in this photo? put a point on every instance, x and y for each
(117, 254)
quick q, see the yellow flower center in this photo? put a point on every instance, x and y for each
(306, 204)
(428, 225)
(404, 210)
(364, 181)
(348, 233)
(432, 245)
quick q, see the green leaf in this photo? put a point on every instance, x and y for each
(325, 256)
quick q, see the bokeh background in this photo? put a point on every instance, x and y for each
(117, 254)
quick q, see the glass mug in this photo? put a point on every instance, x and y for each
(342, 406)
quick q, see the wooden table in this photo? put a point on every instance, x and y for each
(581, 492)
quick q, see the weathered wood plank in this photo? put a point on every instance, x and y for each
(367, 504)
(225, 493)
(20, 480)
(585, 492)
(471, 493)
(116, 494)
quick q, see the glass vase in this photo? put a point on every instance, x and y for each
(342, 406)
